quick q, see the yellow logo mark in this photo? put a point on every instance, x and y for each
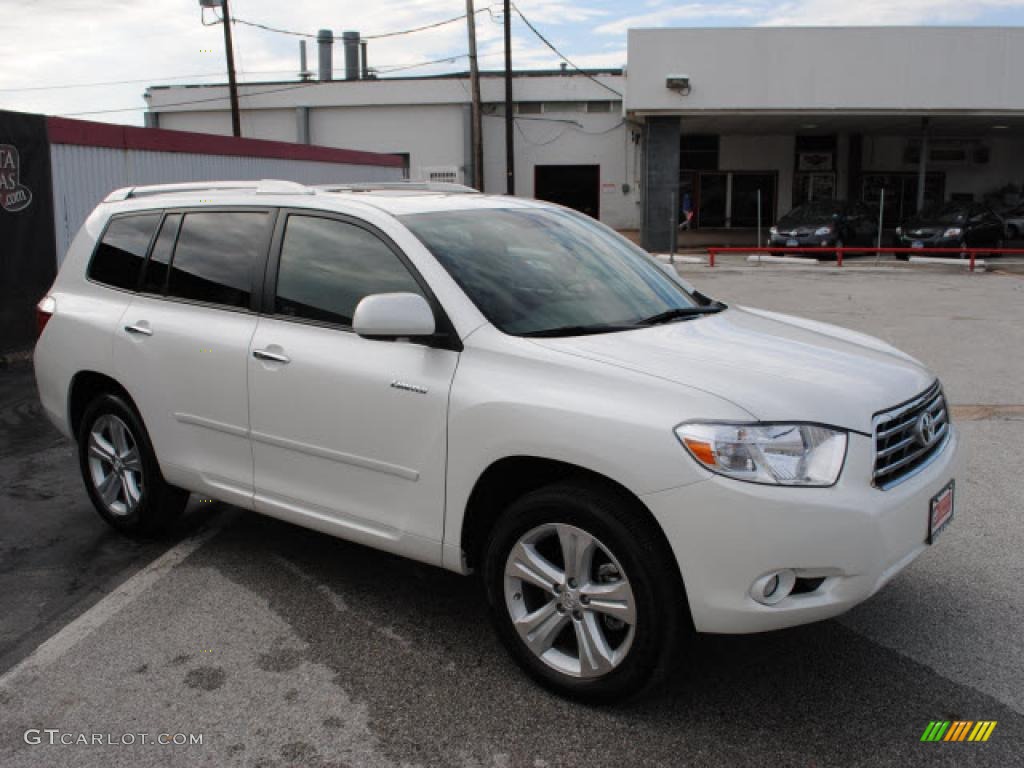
(959, 730)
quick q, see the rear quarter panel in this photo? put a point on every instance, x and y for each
(79, 335)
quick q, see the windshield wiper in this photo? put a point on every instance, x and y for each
(682, 313)
(577, 330)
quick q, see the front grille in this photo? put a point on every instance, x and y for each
(910, 435)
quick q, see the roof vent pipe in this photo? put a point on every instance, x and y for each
(325, 46)
(304, 73)
(351, 42)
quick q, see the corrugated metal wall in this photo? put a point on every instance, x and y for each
(83, 176)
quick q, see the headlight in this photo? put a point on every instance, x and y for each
(899, 231)
(773, 230)
(775, 454)
(823, 231)
(952, 232)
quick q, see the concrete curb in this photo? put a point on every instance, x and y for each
(764, 258)
(979, 264)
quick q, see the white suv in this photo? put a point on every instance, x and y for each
(499, 385)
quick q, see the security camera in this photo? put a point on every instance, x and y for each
(679, 83)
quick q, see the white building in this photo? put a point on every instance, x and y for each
(562, 119)
(710, 118)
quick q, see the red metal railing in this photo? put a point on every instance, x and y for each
(971, 253)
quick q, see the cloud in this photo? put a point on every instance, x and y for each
(883, 12)
(690, 12)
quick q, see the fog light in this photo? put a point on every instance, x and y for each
(773, 587)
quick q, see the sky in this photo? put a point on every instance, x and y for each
(94, 58)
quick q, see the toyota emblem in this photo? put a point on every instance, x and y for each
(925, 428)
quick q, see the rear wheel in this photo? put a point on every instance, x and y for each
(583, 592)
(120, 470)
(999, 245)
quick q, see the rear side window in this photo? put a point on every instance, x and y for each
(155, 278)
(327, 267)
(216, 255)
(118, 259)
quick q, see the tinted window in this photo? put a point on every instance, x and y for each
(536, 271)
(155, 278)
(118, 260)
(328, 266)
(215, 257)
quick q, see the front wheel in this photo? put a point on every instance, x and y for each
(120, 470)
(584, 594)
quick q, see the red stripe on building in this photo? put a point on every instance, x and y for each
(62, 130)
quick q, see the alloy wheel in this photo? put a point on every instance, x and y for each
(570, 600)
(115, 465)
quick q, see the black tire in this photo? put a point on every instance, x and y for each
(158, 503)
(662, 622)
(1012, 233)
(998, 245)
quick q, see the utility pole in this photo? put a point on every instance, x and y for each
(236, 117)
(476, 128)
(510, 154)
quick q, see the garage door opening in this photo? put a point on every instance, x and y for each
(574, 186)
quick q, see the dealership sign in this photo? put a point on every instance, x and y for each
(14, 196)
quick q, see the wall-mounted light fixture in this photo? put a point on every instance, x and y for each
(678, 83)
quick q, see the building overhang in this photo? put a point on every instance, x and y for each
(951, 123)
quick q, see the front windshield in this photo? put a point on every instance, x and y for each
(534, 271)
(810, 213)
(944, 213)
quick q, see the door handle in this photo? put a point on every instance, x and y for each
(263, 354)
(139, 329)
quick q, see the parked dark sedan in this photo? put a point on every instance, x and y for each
(830, 223)
(951, 225)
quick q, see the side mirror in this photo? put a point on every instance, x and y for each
(393, 315)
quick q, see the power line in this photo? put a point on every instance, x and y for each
(193, 101)
(381, 36)
(258, 93)
(449, 59)
(107, 82)
(561, 55)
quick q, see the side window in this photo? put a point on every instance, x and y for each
(154, 280)
(118, 259)
(328, 266)
(215, 256)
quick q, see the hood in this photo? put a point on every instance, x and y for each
(932, 223)
(776, 367)
(805, 222)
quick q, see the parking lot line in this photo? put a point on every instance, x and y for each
(83, 626)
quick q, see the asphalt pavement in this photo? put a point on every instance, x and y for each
(278, 646)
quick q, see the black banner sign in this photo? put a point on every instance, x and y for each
(28, 249)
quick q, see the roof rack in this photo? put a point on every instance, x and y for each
(261, 187)
(399, 186)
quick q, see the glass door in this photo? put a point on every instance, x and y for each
(745, 190)
(711, 201)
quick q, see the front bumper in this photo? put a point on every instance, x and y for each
(905, 241)
(802, 241)
(726, 534)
